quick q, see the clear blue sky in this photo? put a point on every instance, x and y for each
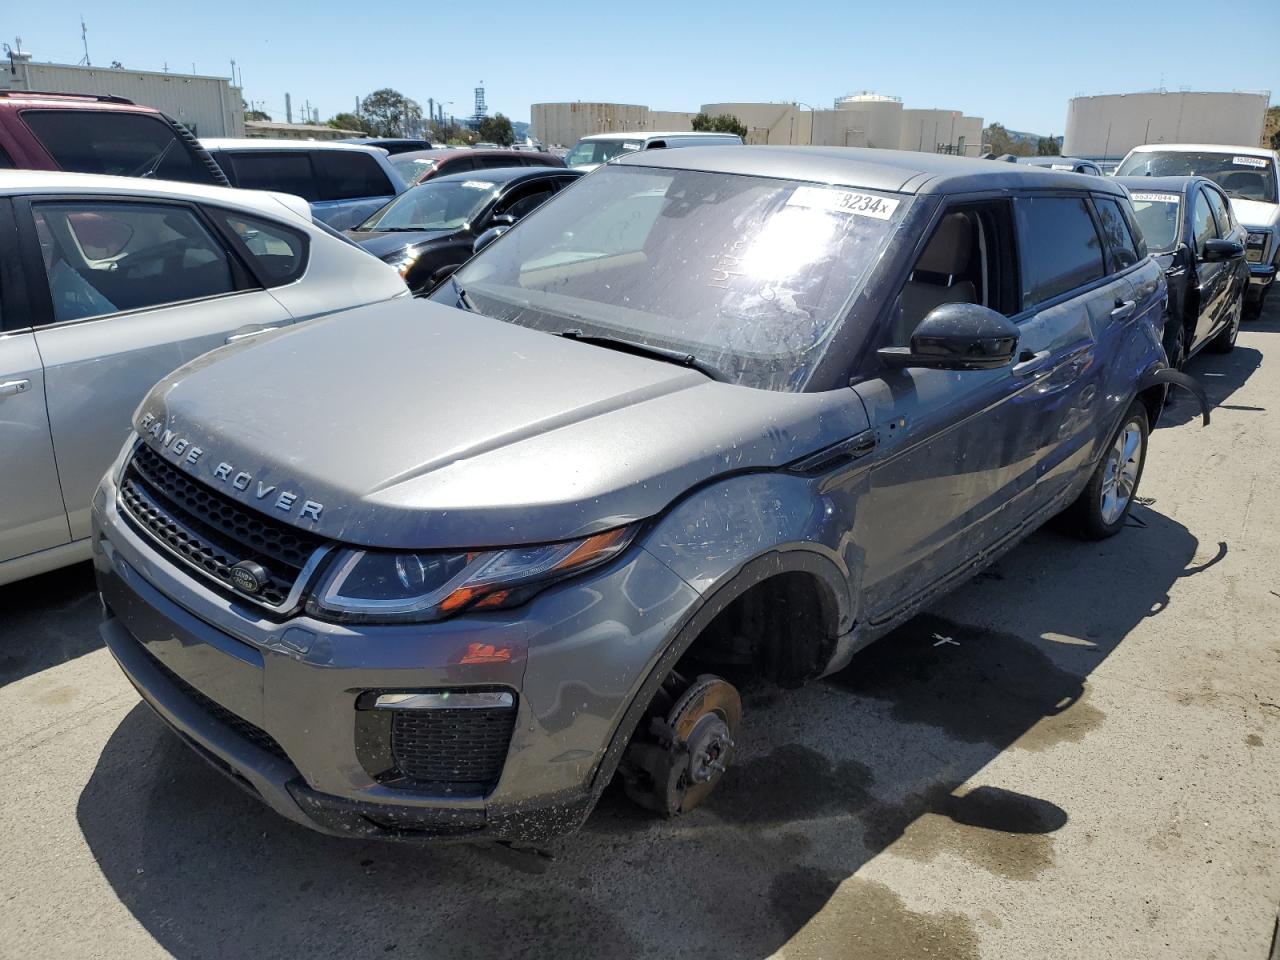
(1014, 62)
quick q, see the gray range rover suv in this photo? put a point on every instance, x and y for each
(441, 569)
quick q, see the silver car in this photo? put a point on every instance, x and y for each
(442, 568)
(107, 284)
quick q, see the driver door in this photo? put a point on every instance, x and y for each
(124, 292)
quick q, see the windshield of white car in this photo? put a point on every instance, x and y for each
(1159, 215)
(434, 205)
(749, 276)
(600, 151)
(1240, 177)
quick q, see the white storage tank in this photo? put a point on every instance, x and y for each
(883, 124)
(1107, 127)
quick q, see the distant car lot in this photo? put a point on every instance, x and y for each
(1075, 756)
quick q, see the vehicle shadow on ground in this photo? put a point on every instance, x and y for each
(889, 753)
(47, 620)
(1221, 375)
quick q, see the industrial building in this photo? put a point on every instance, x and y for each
(567, 123)
(1107, 127)
(208, 106)
(273, 130)
(774, 123)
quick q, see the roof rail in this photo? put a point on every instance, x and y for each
(100, 97)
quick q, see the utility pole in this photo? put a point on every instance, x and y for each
(84, 37)
(288, 109)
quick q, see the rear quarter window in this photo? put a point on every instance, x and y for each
(348, 175)
(1122, 249)
(286, 171)
(278, 254)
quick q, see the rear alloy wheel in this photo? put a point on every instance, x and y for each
(1104, 504)
(1225, 342)
(674, 765)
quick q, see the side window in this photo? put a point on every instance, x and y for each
(1221, 212)
(493, 163)
(1202, 224)
(1121, 250)
(524, 200)
(279, 253)
(6, 162)
(351, 175)
(1061, 249)
(117, 143)
(103, 258)
(288, 171)
(457, 165)
(969, 258)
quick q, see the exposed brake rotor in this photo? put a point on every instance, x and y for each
(687, 751)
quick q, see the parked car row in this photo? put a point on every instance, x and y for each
(441, 566)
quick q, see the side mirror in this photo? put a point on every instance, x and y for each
(1217, 251)
(957, 336)
(490, 235)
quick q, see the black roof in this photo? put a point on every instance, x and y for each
(502, 176)
(1161, 184)
(899, 171)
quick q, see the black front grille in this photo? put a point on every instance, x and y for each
(238, 724)
(452, 746)
(210, 531)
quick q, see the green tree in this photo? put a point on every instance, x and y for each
(1047, 147)
(349, 121)
(497, 129)
(389, 113)
(721, 123)
(1000, 141)
(257, 115)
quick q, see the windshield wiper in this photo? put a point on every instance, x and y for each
(678, 357)
(464, 301)
(149, 169)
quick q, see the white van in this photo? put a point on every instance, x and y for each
(589, 152)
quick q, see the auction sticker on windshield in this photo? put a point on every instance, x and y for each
(843, 201)
(1155, 197)
(1249, 161)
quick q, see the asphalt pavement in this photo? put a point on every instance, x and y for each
(1076, 755)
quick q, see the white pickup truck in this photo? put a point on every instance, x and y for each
(1248, 176)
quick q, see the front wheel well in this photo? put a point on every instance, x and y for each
(782, 629)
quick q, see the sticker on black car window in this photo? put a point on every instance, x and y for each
(843, 201)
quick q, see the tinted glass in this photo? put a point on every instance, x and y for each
(1159, 216)
(1061, 248)
(1120, 245)
(752, 276)
(1221, 213)
(6, 162)
(116, 143)
(287, 172)
(456, 165)
(347, 175)
(1242, 177)
(434, 205)
(1202, 226)
(525, 200)
(278, 252)
(103, 258)
(598, 151)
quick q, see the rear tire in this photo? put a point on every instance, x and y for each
(1103, 506)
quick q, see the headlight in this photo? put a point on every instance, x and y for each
(403, 264)
(389, 586)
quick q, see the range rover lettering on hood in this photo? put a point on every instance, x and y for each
(185, 451)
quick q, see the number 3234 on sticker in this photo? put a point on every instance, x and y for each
(843, 201)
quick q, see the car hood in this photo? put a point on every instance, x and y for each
(387, 244)
(1255, 213)
(417, 424)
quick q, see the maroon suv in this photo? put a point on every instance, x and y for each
(84, 133)
(419, 165)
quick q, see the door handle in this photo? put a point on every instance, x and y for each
(1123, 309)
(14, 387)
(252, 333)
(1029, 363)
